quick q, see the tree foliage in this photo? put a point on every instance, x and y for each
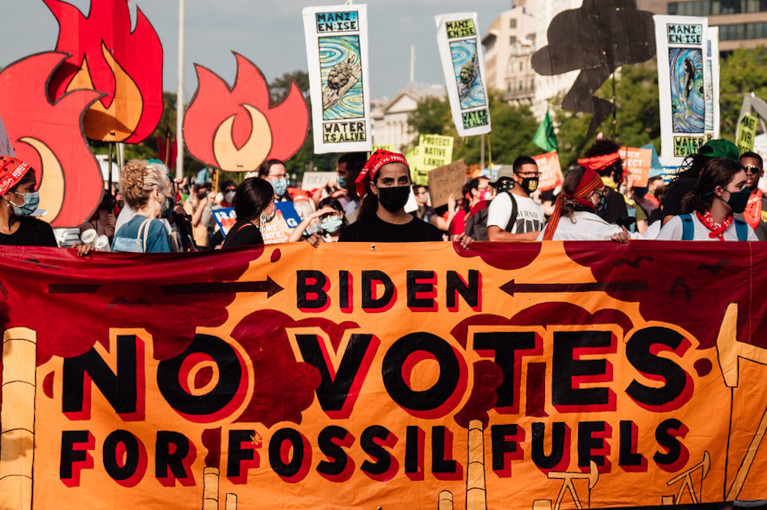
(742, 72)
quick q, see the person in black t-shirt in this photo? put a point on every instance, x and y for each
(17, 188)
(254, 205)
(385, 184)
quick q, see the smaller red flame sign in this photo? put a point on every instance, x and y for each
(235, 129)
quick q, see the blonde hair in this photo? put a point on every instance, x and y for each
(137, 181)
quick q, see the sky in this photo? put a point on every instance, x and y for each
(269, 33)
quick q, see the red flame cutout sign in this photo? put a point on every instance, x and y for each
(108, 57)
(50, 137)
(235, 129)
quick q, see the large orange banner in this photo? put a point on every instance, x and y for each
(529, 376)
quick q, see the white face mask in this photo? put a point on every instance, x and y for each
(229, 197)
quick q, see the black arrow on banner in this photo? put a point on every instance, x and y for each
(539, 288)
(269, 286)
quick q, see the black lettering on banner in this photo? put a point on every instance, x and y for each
(237, 454)
(505, 345)
(469, 291)
(333, 392)
(587, 443)
(640, 353)
(442, 462)
(282, 441)
(70, 454)
(311, 290)
(345, 291)
(132, 455)
(504, 446)
(558, 446)
(120, 388)
(414, 448)
(339, 462)
(370, 280)
(566, 366)
(628, 456)
(674, 448)
(369, 441)
(229, 377)
(421, 282)
(474, 119)
(399, 390)
(167, 458)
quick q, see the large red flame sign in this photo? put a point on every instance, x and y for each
(49, 136)
(108, 57)
(235, 129)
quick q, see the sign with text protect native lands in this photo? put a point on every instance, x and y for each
(446, 180)
(337, 51)
(746, 133)
(540, 375)
(688, 83)
(433, 151)
(463, 64)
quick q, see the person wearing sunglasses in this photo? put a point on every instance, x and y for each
(756, 209)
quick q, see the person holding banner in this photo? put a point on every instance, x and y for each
(756, 210)
(603, 157)
(254, 206)
(384, 183)
(721, 191)
(576, 214)
(17, 187)
(145, 189)
(513, 215)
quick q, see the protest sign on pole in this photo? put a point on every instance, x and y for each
(314, 180)
(285, 220)
(225, 218)
(463, 64)
(431, 152)
(551, 170)
(348, 377)
(446, 180)
(414, 157)
(746, 133)
(636, 165)
(688, 84)
(337, 49)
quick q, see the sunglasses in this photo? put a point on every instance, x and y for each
(752, 169)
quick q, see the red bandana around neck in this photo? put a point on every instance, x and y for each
(717, 229)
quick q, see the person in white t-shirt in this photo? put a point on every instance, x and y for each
(513, 215)
(720, 192)
(575, 216)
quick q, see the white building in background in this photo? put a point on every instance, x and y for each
(509, 44)
(390, 125)
(547, 87)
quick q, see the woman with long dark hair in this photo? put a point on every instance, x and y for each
(254, 206)
(721, 191)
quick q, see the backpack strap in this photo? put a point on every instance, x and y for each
(514, 213)
(141, 243)
(688, 228)
(741, 228)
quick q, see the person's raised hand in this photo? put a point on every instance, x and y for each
(621, 237)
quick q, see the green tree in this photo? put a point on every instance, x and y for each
(742, 72)
(431, 117)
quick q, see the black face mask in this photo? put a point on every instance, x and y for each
(530, 184)
(393, 199)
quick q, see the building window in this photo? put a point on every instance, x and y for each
(672, 8)
(512, 23)
(741, 31)
(512, 40)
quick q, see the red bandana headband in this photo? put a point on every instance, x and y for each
(599, 162)
(590, 181)
(378, 159)
(11, 172)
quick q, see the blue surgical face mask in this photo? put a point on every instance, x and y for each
(280, 186)
(341, 180)
(331, 224)
(31, 202)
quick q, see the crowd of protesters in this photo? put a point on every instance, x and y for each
(715, 196)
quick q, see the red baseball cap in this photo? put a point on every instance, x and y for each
(11, 172)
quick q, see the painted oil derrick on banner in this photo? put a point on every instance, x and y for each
(337, 50)
(539, 376)
(463, 64)
(234, 128)
(107, 56)
(688, 81)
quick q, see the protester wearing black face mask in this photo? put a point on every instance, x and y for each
(385, 183)
(721, 191)
(513, 215)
